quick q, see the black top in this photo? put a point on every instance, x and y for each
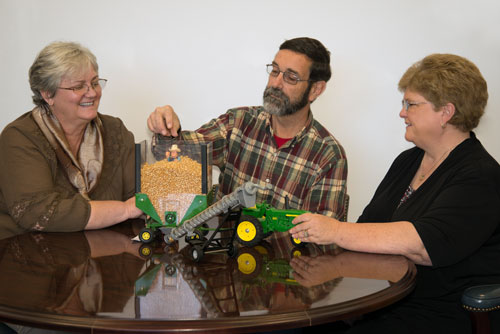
(456, 213)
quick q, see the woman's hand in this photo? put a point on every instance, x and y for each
(397, 238)
(132, 210)
(315, 228)
(311, 271)
(107, 213)
(108, 243)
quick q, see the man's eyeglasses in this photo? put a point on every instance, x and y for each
(407, 104)
(98, 84)
(288, 76)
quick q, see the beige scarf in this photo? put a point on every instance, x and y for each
(84, 171)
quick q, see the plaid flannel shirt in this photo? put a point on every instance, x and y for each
(310, 169)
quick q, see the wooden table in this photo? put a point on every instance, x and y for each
(98, 281)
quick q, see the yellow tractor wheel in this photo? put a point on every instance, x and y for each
(249, 231)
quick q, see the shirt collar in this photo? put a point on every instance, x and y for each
(299, 135)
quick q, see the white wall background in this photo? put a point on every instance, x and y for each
(203, 57)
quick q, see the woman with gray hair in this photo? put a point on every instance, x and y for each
(65, 166)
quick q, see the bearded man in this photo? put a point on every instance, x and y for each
(280, 143)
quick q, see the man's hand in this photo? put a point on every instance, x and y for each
(164, 121)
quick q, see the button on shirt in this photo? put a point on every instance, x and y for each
(310, 169)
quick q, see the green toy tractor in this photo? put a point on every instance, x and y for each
(258, 222)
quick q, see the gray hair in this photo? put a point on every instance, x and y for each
(55, 61)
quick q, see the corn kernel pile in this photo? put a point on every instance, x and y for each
(170, 177)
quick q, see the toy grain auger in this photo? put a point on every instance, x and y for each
(194, 223)
(242, 196)
(254, 222)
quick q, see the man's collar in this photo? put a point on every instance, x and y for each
(299, 134)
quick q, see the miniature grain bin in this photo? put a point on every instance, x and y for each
(170, 173)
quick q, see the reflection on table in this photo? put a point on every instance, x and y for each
(102, 279)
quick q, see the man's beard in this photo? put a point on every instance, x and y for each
(277, 103)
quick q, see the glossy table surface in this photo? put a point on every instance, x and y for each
(103, 281)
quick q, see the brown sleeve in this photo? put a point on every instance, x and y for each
(33, 191)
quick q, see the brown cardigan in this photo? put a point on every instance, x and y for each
(35, 193)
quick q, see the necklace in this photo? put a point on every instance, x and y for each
(434, 165)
